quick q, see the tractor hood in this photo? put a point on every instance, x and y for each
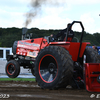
(29, 47)
(31, 44)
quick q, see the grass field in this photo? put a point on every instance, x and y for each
(17, 79)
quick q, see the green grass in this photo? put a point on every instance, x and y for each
(17, 79)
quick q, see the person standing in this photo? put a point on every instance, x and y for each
(95, 47)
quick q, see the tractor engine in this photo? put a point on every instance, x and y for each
(26, 51)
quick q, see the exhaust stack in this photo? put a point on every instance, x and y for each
(24, 31)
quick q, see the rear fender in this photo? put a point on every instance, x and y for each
(83, 48)
(73, 48)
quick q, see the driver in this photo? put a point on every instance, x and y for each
(63, 33)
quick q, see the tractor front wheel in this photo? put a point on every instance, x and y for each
(12, 69)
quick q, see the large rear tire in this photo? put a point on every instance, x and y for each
(53, 67)
(12, 69)
(91, 56)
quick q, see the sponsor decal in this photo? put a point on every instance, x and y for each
(29, 44)
(32, 54)
(19, 45)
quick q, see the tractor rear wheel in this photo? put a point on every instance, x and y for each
(12, 69)
(92, 56)
(53, 68)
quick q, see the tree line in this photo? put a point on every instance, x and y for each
(9, 35)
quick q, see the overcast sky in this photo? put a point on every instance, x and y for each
(53, 15)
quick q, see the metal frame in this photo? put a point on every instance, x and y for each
(68, 27)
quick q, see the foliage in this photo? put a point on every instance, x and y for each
(9, 35)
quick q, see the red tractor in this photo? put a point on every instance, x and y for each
(55, 64)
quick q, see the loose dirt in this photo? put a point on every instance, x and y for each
(31, 91)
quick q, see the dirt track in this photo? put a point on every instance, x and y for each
(31, 91)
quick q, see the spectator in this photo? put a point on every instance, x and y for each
(51, 38)
(95, 47)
